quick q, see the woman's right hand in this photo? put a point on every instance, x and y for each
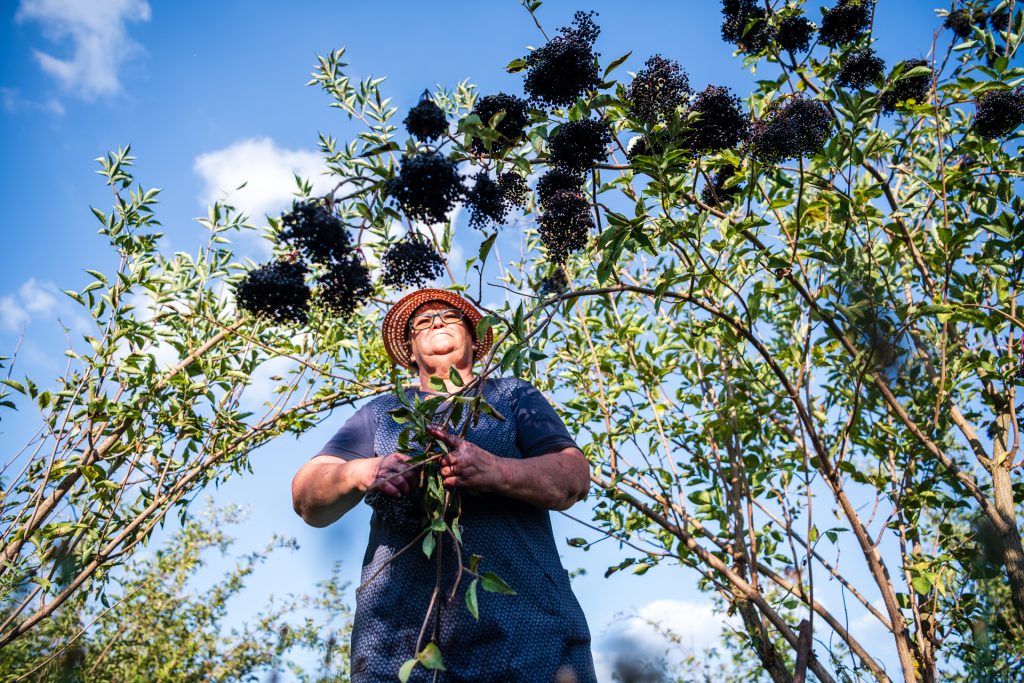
(391, 474)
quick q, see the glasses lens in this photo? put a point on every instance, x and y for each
(451, 316)
(421, 322)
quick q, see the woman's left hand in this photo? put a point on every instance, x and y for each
(466, 465)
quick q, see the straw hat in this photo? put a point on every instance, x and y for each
(394, 329)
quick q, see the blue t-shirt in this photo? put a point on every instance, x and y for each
(536, 635)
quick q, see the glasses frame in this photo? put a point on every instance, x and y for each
(433, 316)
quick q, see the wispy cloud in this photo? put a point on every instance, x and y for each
(267, 171)
(33, 298)
(13, 102)
(100, 44)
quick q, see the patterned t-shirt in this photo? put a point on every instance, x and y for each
(539, 634)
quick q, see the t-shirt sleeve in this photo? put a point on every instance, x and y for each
(355, 438)
(539, 430)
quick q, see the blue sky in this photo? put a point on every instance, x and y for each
(213, 94)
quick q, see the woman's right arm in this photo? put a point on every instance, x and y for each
(326, 487)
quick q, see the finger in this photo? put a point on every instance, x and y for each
(389, 489)
(451, 440)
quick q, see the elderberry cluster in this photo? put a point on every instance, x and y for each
(403, 513)
(315, 231)
(715, 193)
(557, 180)
(578, 145)
(999, 113)
(554, 284)
(512, 125)
(658, 89)
(907, 87)
(345, 286)
(277, 290)
(410, 262)
(1000, 20)
(860, 69)
(490, 200)
(962, 21)
(566, 66)
(745, 25)
(790, 129)
(565, 224)
(427, 187)
(794, 33)
(426, 121)
(721, 123)
(846, 22)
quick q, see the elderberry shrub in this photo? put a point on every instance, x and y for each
(410, 262)
(566, 66)
(427, 187)
(486, 202)
(557, 180)
(426, 121)
(745, 25)
(715, 193)
(315, 231)
(907, 88)
(512, 125)
(794, 33)
(277, 290)
(578, 145)
(657, 90)
(345, 286)
(860, 69)
(962, 21)
(846, 22)
(565, 224)
(513, 188)
(790, 129)
(553, 284)
(999, 113)
(721, 124)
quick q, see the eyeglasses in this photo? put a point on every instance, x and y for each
(425, 320)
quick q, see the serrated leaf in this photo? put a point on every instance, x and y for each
(455, 377)
(485, 248)
(492, 583)
(615, 63)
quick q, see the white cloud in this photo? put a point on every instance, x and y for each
(32, 299)
(267, 171)
(13, 102)
(99, 40)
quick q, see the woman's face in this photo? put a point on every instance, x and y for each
(440, 339)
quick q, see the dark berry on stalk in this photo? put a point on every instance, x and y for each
(715, 193)
(1000, 20)
(999, 113)
(316, 232)
(426, 121)
(402, 513)
(513, 188)
(565, 224)
(564, 68)
(721, 124)
(745, 25)
(913, 88)
(652, 144)
(410, 262)
(846, 22)
(486, 202)
(794, 33)
(962, 22)
(277, 290)
(657, 90)
(427, 187)
(791, 128)
(557, 180)
(860, 69)
(512, 125)
(554, 284)
(345, 286)
(578, 145)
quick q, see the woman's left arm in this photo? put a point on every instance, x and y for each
(554, 480)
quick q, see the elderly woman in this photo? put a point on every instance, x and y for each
(511, 473)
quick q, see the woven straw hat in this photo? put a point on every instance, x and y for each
(396, 322)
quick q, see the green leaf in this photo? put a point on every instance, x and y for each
(428, 544)
(471, 600)
(515, 65)
(406, 670)
(486, 323)
(618, 62)
(436, 383)
(492, 583)
(488, 409)
(455, 377)
(576, 542)
(485, 248)
(921, 583)
(400, 415)
(17, 386)
(430, 657)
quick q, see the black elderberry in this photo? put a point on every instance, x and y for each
(277, 290)
(715, 193)
(565, 67)
(565, 224)
(846, 22)
(791, 128)
(962, 21)
(578, 145)
(427, 187)
(316, 232)
(345, 286)
(860, 69)
(513, 188)
(486, 202)
(745, 25)
(657, 90)
(794, 33)
(553, 284)
(999, 113)
(512, 126)
(721, 123)
(410, 262)
(426, 121)
(557, 180)
(907, 87)
(1000, 20)
(404, 513)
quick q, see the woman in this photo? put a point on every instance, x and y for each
(509, 473)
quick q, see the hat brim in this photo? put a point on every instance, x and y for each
(395, 324)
